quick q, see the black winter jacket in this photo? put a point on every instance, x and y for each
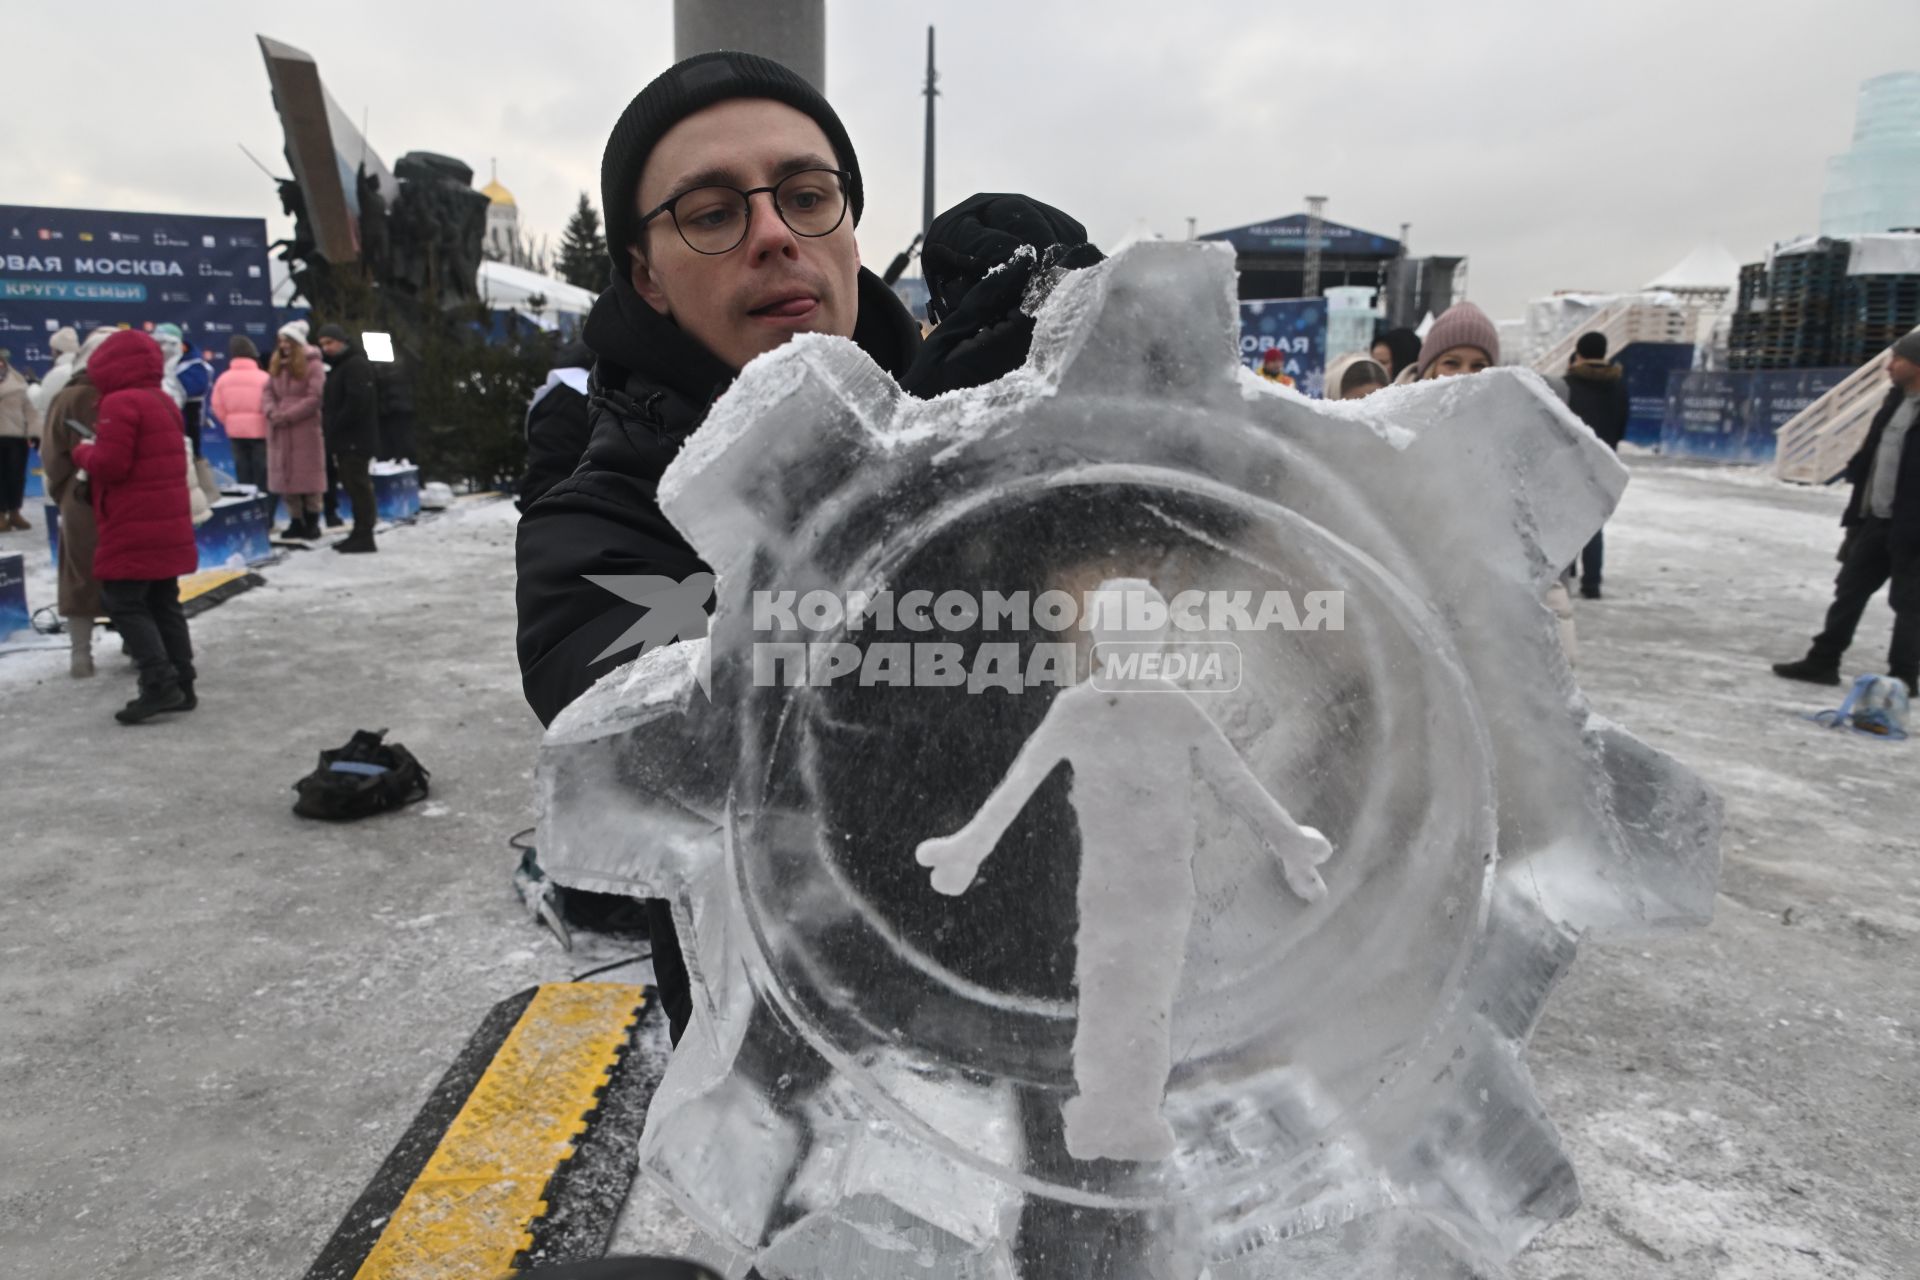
(557, 434)
(349, 406)
(1905, 534)
(651, 386)
(1597, 394)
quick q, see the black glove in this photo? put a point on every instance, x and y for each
(982, 232)
(980, 258)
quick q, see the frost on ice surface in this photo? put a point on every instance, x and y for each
(906, 907)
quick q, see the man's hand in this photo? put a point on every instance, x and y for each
(986, 261)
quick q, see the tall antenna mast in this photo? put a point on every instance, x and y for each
(1316, 205)
(926, 203)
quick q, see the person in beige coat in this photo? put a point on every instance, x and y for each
(19, 424)
(77, 401)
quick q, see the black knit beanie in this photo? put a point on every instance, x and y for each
(676, 93)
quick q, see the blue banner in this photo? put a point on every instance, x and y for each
(1648, 367)
(237, 534)
(396, 494)
(1289, 235)
(1298, 326)
(13, 595)
(1735, 416)
(1707, 416)
(85, 268)
(1778, 395)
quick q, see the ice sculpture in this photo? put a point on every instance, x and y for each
(1308, 1063)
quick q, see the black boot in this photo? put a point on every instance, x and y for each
(312, 527)
(358, 542)
(187, 699)
(296, 530)
(150, 703)
(1810, 669)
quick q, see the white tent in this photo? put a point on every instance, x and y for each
(503, 287)
(1708, 267)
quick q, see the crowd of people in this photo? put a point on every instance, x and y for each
(118, 420)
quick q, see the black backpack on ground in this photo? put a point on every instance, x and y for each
(365, 777)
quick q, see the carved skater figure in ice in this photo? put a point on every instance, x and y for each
(1137, 747)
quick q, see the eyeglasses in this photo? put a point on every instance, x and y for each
(713, 220)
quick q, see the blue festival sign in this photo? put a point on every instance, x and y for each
(13, 595)
(1735, 416)
(1288, 235)
(1298, 326)
(84, 268)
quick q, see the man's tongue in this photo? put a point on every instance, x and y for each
(788, 307)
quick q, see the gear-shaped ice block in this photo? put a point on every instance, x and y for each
(873, 1081)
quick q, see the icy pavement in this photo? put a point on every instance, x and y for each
(216, 1018)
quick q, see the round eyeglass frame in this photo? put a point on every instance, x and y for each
(746, 197)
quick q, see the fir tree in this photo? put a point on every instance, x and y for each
(583, 250)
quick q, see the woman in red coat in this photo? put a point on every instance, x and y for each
(135, 469)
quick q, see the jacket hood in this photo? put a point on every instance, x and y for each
(634, 339)
(1596, 372)
(128, 359)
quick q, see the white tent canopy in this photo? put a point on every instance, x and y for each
(503, 287)
(1708, 267)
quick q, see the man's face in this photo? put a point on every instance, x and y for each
(1904, 373)
(332, 347)
(1457, 360)
(774, 284)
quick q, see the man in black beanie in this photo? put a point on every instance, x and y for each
(1597, 394)
(1882, 542)
(731, 192)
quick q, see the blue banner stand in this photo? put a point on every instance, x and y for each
(396, 497)
(235, 535)
(13, 595)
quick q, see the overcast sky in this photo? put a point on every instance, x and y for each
(1559, 147)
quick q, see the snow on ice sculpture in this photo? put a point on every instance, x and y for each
(905, 852)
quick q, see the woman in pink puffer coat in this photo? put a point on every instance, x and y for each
(296, 448)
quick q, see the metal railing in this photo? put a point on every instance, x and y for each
(1624, 323)
(1813, 446)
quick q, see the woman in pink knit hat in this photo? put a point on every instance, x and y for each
(1462, 340)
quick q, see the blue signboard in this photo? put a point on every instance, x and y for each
(85, 268)
(1648, 366)
(396, 494)
(1734, 417)
(1778, 395)
(237, 533)
(13, 595)
(1297, 326)
(1289, 235)
(1707, 416)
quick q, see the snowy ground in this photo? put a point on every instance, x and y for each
(216, 1018)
